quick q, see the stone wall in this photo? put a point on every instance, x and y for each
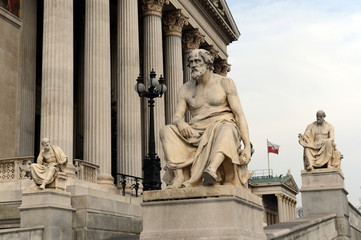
(355, 222)
(10, 28)
(315, 227)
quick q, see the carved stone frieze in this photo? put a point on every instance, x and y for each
(153, 7)
(173, 22)
(192, 39)
(222, 67)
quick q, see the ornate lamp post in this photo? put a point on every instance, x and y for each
(151, 162)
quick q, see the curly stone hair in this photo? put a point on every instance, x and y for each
(206, 56)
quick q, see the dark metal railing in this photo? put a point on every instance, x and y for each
(124, 179)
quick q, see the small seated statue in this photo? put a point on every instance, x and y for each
(50, 162)
(319, 147)
(208, 149)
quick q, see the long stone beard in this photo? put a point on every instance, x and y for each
(197, 74)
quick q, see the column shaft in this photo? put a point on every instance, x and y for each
(173, 24)
(153, 59)
(129, 138)
(26, 129)
(97, 93)
(280, 210)
(57, 76)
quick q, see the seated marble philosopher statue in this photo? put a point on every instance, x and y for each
(319, 147)
(208, 149)
(51, 160)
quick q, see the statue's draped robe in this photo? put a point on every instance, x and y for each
(40, 170)
(317, 154)
(192, 155)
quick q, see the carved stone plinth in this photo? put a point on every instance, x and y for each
(49, 208)
(59, 182)
(323, 192)
(217, 212)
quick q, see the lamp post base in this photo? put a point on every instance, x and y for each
(151, 168)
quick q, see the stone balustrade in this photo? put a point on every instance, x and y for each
(86, 171)
(14, 169)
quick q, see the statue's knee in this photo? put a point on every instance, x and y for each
(226, 129)
(164, 131)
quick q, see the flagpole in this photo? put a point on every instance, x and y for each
(268, 160)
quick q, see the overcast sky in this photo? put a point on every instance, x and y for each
(292, 59)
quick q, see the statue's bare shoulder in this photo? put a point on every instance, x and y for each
(228, 85)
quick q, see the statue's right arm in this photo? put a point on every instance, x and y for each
(178, 118)
(39, 160)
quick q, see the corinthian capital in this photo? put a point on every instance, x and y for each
(222, 67)
(212, 50)
(192, 39)
(174, 21)
(153, 7)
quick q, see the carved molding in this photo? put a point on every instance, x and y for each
(173, 22)
(222, 67)
(192, 39)
(219, 6)
(153, 7)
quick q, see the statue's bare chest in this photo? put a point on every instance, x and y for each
(321, 131)
(209, 95)
(49, 156)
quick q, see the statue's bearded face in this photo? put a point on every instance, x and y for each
(197, 65)
(46, 144)
(320, 118)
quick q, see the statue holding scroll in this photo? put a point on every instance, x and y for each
(207, 150)
(51, 160)
(319, 147)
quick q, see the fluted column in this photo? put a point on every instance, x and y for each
(222, 67)
(287, 202)
(57, 77)
(173, 24)
(26, 129)
(191, 40)
(97, 93)
(129, 138)
(153, 59)
(294, 209)
(280, 207)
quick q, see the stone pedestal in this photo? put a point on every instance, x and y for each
(323, 192)
(49, 208)
(216, 212)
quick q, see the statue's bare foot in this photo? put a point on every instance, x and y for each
(209, 177)
(309, 168)
(186, 184)
(177, 183)
(42, 186)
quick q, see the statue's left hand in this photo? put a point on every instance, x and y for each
(246, 155)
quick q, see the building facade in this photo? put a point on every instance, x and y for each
(69, 70)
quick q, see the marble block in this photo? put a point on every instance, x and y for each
(49, 208)
(214, 212)
(323, 192)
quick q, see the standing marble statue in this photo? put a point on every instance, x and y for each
(51, 160)
(319, 147)
(207, 150)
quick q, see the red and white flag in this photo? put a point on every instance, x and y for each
(272, 148)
